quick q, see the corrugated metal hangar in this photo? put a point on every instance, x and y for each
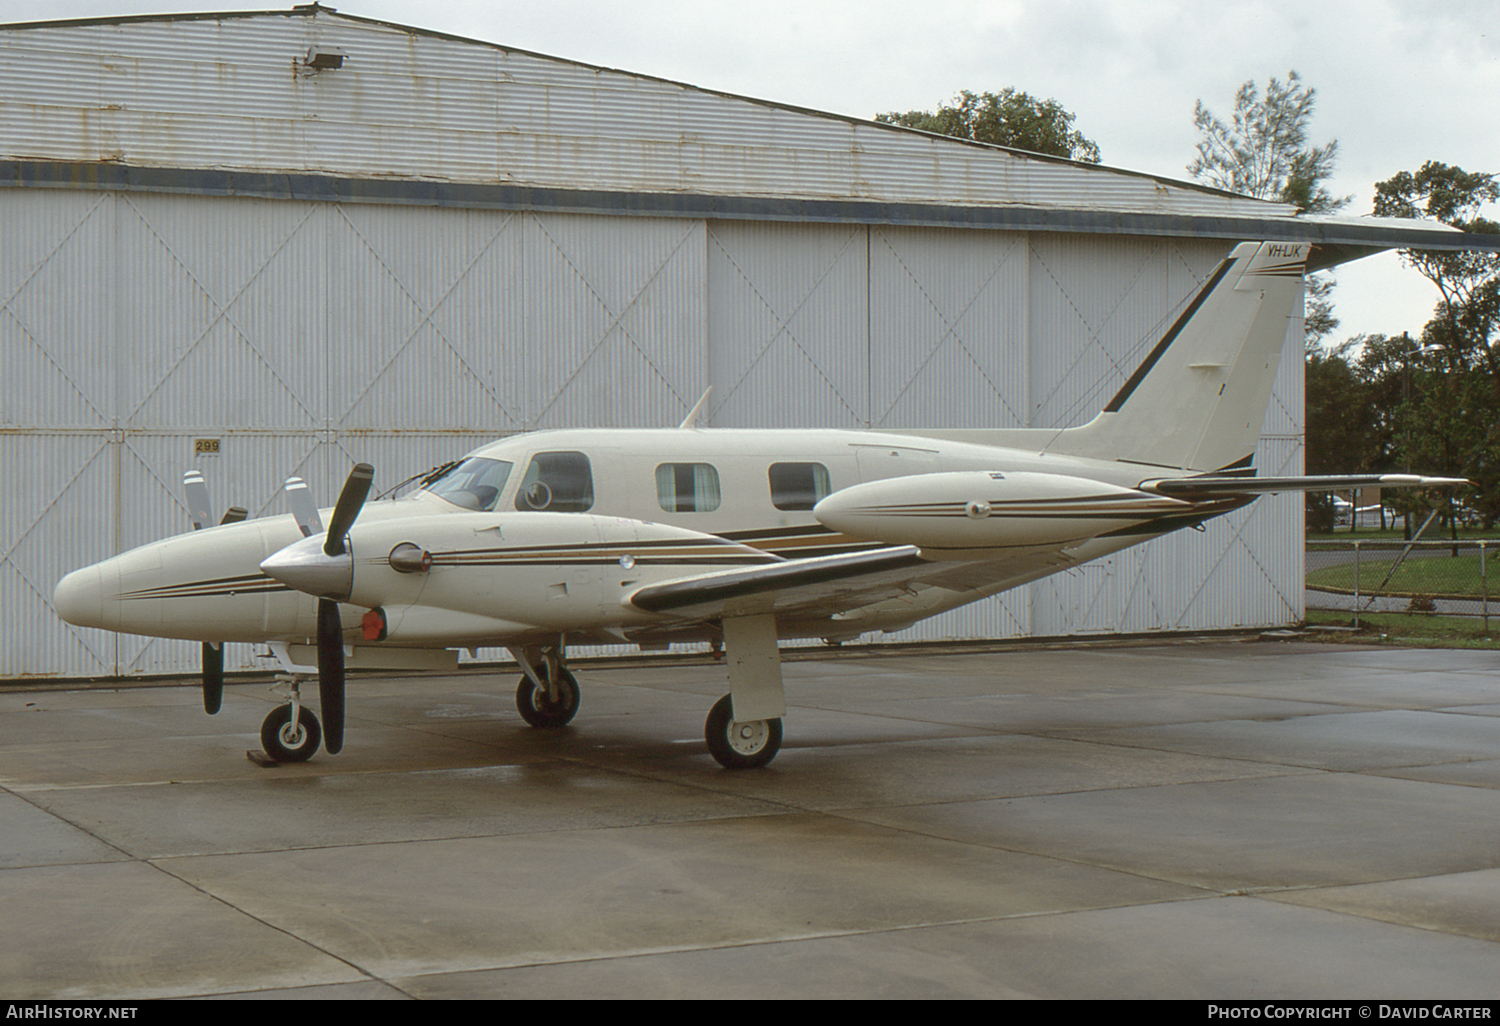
(276, 243)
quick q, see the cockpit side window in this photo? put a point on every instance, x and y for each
(558, 482)
(475, 484)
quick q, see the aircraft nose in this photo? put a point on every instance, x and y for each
(79, 597)
(306, 567)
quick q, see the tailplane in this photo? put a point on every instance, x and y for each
(1199, 398)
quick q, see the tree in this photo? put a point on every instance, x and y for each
(1467, 280)
(1451, 419)
(1263, 152)
(1341, 432)
(1007, 118)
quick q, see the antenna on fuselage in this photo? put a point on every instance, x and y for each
(690, 422)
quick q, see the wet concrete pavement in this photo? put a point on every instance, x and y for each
(1225, 819)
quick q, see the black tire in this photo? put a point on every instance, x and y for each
(539, 711)
(740, 745)
(283, 744)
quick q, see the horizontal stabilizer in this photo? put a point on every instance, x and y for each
(1198, 487)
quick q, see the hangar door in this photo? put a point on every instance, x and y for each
(298, 338)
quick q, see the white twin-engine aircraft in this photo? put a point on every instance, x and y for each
(734, 537)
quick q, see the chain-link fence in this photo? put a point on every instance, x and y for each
(1440, 577)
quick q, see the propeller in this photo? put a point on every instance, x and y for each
(330, 628)
(304, 510)
(213, 652)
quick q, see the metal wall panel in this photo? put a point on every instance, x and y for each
(219, 305)
(949, 312)
(58, 486)
(227, 93)
(615, 321)
(310, 336)
(53, 322)
(788, 325)
(423, 307)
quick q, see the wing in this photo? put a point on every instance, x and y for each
(1209, 486)
(828, 586)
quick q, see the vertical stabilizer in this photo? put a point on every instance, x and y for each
(1199, 398)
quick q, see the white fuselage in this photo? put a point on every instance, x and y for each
(642, 499)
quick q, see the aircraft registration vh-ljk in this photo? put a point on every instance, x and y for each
(737, 538)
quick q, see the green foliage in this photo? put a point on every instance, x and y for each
(1263, 151)
(1448, 419)
(1343, 436)
(1007, 118)
(1394, 404)
(1467, 320)
(1318, 321)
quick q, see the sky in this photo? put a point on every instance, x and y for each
(1399, 82)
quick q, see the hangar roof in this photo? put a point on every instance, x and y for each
(242, 103)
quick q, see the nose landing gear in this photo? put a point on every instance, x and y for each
(290, 733)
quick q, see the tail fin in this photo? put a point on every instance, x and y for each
(1198, 400)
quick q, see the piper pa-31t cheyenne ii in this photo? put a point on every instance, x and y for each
(734, 537)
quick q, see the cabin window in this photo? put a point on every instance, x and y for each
(473, 484)
(558, 482)
(687, 487)
(798, 485)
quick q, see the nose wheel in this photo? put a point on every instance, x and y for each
(291, 733)
(288, 740)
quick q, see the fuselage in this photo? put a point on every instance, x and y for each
(645, 500)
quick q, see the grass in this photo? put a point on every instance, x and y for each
(1441, 576)
(1409, 630)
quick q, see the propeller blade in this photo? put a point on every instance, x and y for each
(213, 677)
(213, 655)
(197, 499)
(303, 508)
(331, 674)
(351, 501)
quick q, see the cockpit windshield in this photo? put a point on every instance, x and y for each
(475, 484)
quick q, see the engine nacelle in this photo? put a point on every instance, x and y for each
(988, 510)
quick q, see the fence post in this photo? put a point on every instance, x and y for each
(1356, 585)
(1484, 590)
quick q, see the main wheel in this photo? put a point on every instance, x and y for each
(740, 745)
(285, 741)
(538, 709)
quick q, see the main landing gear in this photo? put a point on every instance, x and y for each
(547, 696)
